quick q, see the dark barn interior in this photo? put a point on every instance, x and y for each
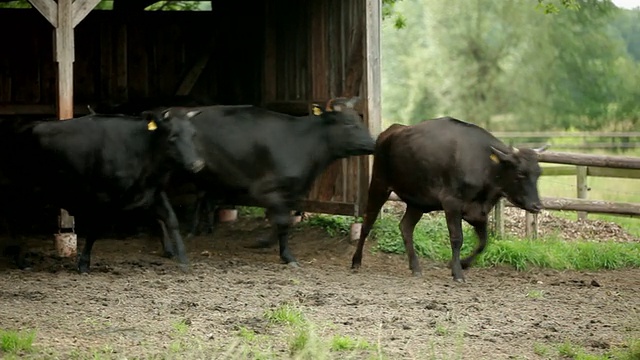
(280, 54)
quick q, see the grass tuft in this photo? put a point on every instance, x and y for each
(285, 314)
(14, 342)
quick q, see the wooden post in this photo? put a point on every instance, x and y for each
(498, 215)
(531, 225)
(581, 182)
(64, 16)
(64, 55)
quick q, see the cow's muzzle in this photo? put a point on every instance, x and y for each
(534, 208)
(196, 166)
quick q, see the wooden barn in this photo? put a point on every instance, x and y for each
(59, 57)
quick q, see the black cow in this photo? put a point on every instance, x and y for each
(100, 164)
(271, 159)
(451, 165)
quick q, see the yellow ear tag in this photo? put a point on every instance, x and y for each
(494, 158)
(316, 110)
(152, 125)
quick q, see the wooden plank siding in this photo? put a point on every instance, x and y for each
(279, 54)
(120, 58)
(316, 43)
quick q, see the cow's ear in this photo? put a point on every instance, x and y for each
(499, 156)
(150, 117)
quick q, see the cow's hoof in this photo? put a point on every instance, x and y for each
(294, 264)
(460, 280)
(167, 254)
(417, 273)
(83, 270)
(185, 268)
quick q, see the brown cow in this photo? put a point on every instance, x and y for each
(451, 165)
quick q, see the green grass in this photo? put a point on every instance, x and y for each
(535, 294)
(16, 342)
(250, 211)
(431, 240)
(568, 350)
(334, 225)
(285, 314)
(345, 343)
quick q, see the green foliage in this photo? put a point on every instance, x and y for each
(431, 240)
(17, 4)
(250, 211)
(15, 342)
(389, 12)
(551, 8)
(334, 225)
(507, 66)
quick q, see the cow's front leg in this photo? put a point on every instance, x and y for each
(84, 260)
(281, 221)
(165, 213)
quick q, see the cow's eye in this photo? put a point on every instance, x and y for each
(521, 175)
(173, 138)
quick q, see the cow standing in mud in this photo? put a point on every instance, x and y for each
(271, 159)
(96, 165)
(451, 165)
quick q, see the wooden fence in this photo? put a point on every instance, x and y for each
(591, 140)
(582, 166)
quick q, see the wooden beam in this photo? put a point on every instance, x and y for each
(568, 204)
(81, 9)
(65, 57)
(193, 75)
(38, 109)
(373, 68)
(623, 162)
(298, 107)
(48, 9)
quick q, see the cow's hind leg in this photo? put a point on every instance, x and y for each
(281, 221)
(481, 230)
(378, 195)
(167, 246)
(454, 224)
(407, 225)
(269, 241)
(84, 261)
(165, 213)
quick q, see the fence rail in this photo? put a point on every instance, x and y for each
(591, 140)
(583, 166)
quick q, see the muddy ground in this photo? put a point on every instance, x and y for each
(128, 306)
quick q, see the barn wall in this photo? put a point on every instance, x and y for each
(280, 54)
(314, 52)
(120, 58)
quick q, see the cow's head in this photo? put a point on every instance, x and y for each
(348, 136)
(519, 176)
(176, 133)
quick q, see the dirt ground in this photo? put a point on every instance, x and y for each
(133, 297)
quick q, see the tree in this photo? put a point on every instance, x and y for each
(506, 65)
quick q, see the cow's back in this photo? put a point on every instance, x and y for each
(244, 142)
(433, 158)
